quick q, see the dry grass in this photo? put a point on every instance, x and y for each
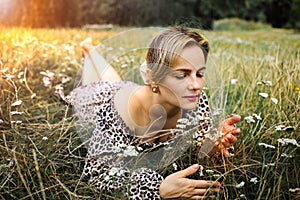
(42, 156)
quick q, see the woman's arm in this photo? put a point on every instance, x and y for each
(107, 169)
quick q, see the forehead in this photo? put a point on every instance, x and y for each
(191, 56)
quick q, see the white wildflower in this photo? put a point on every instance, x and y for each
(45, 138)
(274, 100)
(139, 148)
(47, 74)
(16, 122)
(269, 165)
(201, 170)
(258, 117)
(264, 95)
(239, 40)
(65, 79)
(294, 189)
(269, 83)
(33, 95)
(174, 166)
(130, 151)
(254, 180)
(9, 76)
(124, 65)
(266, 145)
(113, 171)
(20, 74)
(249, 119)
(279, 128)
(1, 121)
(209, 171)
(73, 62)
(4, 70)
(240, 185)
(180, 126)
(47, 81)
(242, 196)
(17, 103)
(216, 176)
(16, 113)
(182, 120)
(287, 156)
(286, 141)
(233, 81)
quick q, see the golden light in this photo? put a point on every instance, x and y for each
(6, 8)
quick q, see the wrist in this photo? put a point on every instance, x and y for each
(161, 191)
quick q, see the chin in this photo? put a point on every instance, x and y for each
(190, 106)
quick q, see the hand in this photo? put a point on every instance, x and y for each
(177, 185)
(230, 131)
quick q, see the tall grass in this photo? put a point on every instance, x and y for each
(42, 155)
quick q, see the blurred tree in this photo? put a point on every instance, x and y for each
(294, 18)
(278, 12)
(200, 13)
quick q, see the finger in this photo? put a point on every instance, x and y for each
(225, 152)
(203, 192)
(233, 120)
(199, 191)
(202, 184)
(188, 171)
(228, 140)
(203, 197)
(236, 131)
(196, 197)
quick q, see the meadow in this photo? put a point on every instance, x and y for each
(42, 154)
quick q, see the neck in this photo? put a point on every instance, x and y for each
(151, 115)
(153, 105)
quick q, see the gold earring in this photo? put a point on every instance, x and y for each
(155, 88)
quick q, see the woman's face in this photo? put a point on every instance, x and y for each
(182, 86)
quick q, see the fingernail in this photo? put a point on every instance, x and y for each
(195, 166)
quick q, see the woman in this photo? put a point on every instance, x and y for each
(128, 117)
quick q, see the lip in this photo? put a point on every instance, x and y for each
(192, 97)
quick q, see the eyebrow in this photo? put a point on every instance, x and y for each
(189, 70)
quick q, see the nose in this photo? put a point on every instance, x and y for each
(196, 83)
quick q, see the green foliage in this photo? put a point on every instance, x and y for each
(75, 13)
(42, 155)
(236, 24)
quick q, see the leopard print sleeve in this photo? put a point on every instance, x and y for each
(111, 147)
(202, 114)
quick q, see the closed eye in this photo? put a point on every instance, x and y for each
(181, 76)
(200, 74)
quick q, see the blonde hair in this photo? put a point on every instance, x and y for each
(167, 45)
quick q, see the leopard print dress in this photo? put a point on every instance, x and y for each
(114, 163)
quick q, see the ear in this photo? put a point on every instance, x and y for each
(145, 73)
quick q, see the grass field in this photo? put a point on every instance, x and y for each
(42, 156)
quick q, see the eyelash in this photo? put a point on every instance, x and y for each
(182, 76)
